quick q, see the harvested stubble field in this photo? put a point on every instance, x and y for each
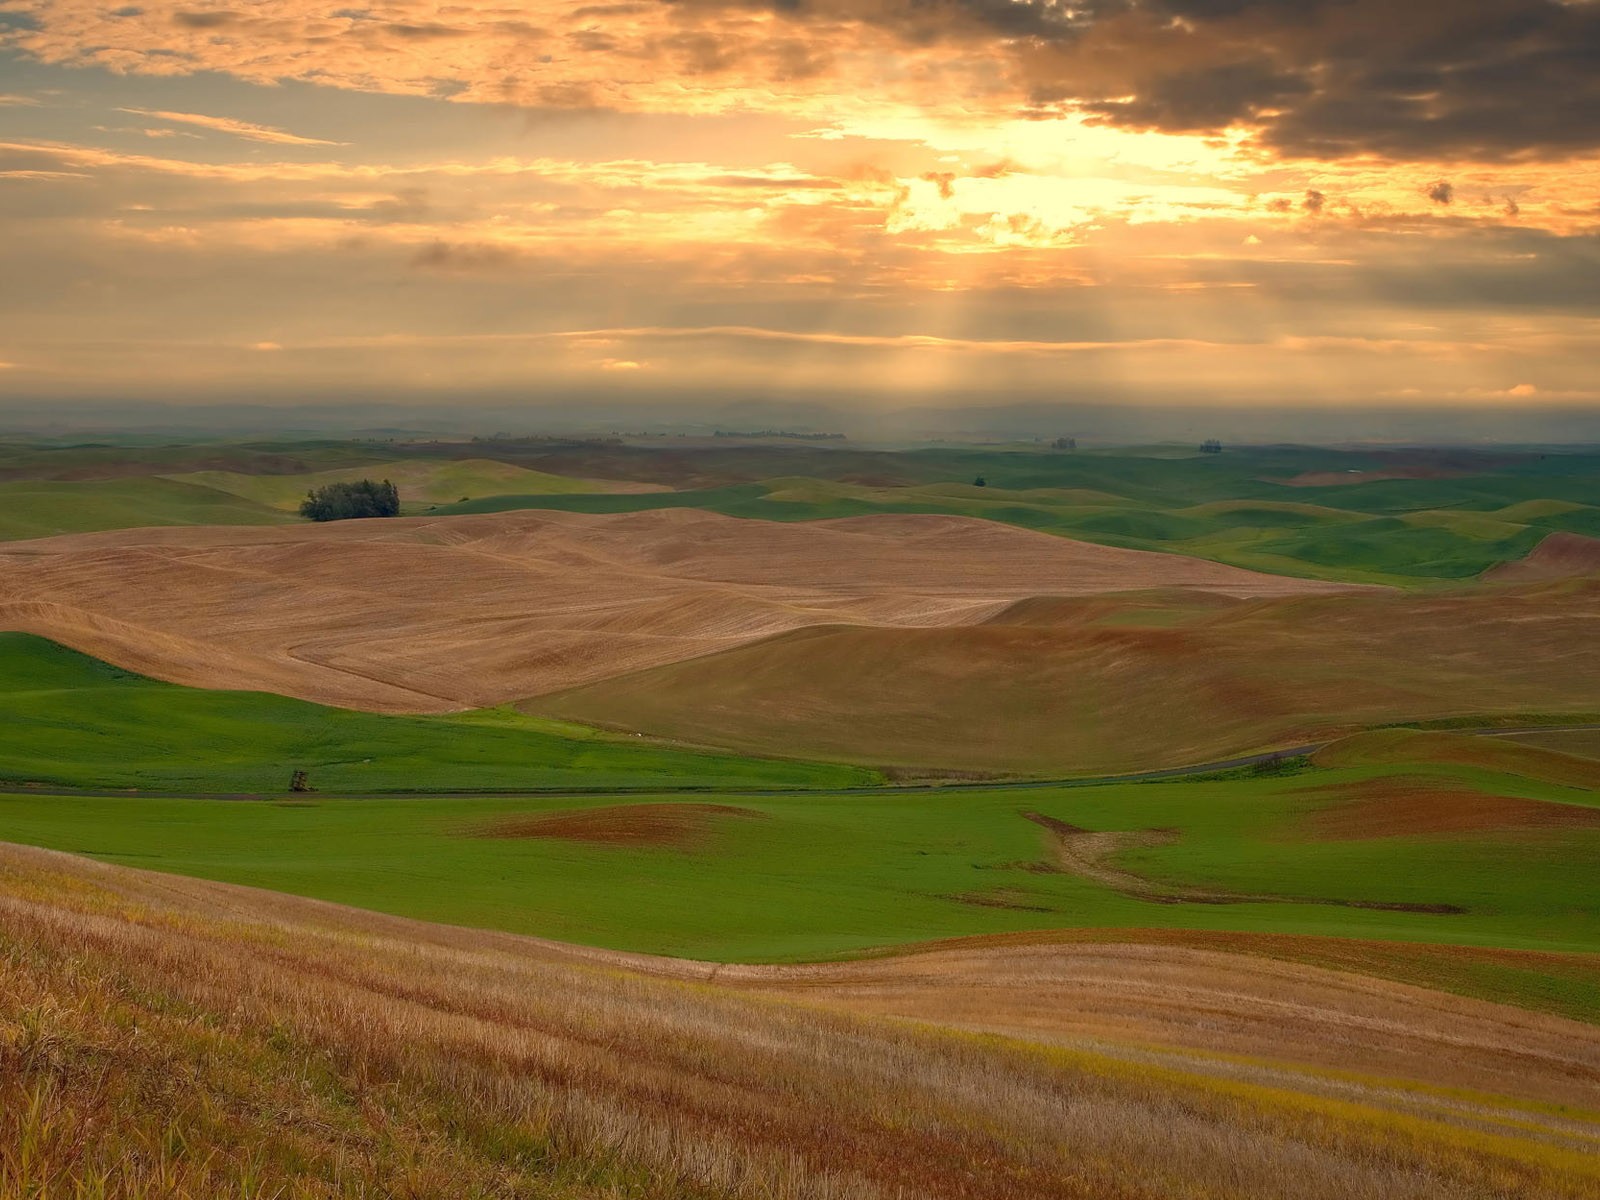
(430, 615)
(164, 1037)
(1122, 683)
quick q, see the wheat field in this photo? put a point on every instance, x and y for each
(164, 1037)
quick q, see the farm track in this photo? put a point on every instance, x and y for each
(1241, 762)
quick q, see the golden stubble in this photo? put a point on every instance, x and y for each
(174, 1037)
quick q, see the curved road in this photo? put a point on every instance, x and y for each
(1021, 785)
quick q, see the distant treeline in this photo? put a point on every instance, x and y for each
(343, 501)
(780, 433)
(544, 440)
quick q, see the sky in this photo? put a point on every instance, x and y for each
(880, 204)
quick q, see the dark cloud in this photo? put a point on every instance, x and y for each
(425, 32)
(1494, 79)
(467, 257)
(1434, 78)
(1442, 192)
(194, 20)
(1203, 99)
(1314, 201)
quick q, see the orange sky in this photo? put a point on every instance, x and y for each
(888, 201)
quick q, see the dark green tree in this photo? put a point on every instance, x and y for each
(346, 501)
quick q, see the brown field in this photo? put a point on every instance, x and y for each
(177, 1038)
(1558, 556)
(436, 614)
(681, 826)
(1340, 478)
(1580, 743)
(1056, 686)
(1505, 755)
(1420, 807)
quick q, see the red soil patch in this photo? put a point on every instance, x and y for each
(1379, 808)
(1559, 556)
(679, 826)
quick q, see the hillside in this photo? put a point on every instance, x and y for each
(70, 720)
(421, 483)
(1121, 684)
(1394, 517)
(143, 1051)
(1558, 556)
(436, 614)
(42, 508)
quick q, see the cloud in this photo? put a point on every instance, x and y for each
(244, 129)
(11, 100)
(1314, 202)
(1334, 79)
(1442, 191)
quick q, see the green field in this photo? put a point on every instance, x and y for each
(1399, 840)
(42, 508)
(1236, 507)
(1248, 506)
(815, 876)
(70, 720)
(422, 484)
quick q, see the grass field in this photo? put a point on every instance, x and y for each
(422, 484)
(47, 490)
(1322, 513)
(1429, 851)
(160, 1037)
(42, 508)
(68, 719)
(1368, 974)
(1403, 518)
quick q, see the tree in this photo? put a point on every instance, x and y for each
(1211, 446)
(980, 481)
(1064, 443)
(344, 501)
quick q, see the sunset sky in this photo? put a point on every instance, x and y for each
(1273, 202)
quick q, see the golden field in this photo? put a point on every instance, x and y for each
(165, 1037)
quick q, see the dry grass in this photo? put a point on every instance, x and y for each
(166, 1037)
(433, 614)
(1057, 689)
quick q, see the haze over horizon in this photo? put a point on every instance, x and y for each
(1309, 220)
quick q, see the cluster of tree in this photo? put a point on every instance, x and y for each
(1211, 446)
(343, 501)
(779, 433)
(1064, 443)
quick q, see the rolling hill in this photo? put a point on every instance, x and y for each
(70, 720)
(145, 1051)
(1122, 683)
(438, 614)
